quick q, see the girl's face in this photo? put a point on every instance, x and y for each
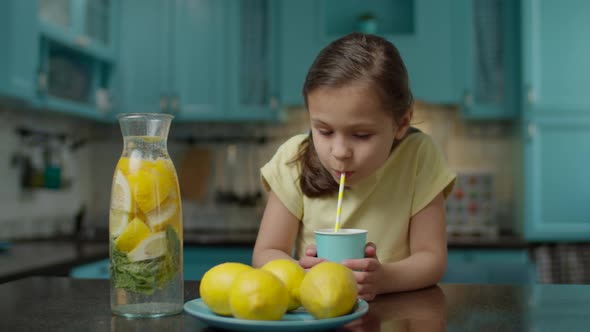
(351, 130)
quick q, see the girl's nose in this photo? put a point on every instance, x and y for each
(341, 149)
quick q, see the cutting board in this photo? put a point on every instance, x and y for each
(195, 173)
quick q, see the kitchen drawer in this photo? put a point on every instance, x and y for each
(488, 256)
(492, 266)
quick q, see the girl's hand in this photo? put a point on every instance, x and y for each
(310, 259)
(367, 271)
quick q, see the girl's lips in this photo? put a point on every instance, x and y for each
(338, 173)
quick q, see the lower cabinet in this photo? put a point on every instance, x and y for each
(556, 191)
(197, 260)
(489, 266)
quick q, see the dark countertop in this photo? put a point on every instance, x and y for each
(54, 303)
(58, 256)
(22, 259)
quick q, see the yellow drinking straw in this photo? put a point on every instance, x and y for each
(340, 196)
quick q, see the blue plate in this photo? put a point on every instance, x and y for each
(298, 320)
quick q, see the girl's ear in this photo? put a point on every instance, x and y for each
(404, 124)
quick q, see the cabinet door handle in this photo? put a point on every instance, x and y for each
(531, 130)
(163, 104)
(274, 102)
(530, 95)
(467, 99)
(174, 104)
(42, 81)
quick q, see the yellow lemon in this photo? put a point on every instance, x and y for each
(118, 221)
(135, 163)
(151, 247)
(149, 188)
(121, 193)
(258, 295)
(291, 274)
(165, 168)
(123, 165)
(133, 234)
(216, 283)
(168, 213)
(328, 290)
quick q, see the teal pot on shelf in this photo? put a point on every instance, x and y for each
(367, 24)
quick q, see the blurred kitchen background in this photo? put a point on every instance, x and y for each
(503, 87)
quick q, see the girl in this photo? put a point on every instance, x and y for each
(360, 107)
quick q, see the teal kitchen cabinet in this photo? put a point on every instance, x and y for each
(199, 58)
(172, 57)
(18, 31)
(298, 45)
(420, 29)
(85, 25)
(485, 58)
(143, 75)
(187, 58)
(428, 52)
(556, 70)
(76, 56)
(253, 62)
(489, 266)
(556, 190)
(555, 121)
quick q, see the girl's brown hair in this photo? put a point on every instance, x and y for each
(353, 58)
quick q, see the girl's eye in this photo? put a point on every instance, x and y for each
(324, 132)
(362, 136)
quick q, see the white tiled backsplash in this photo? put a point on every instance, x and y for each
(468, 146)
(40, 212)
(475, 147)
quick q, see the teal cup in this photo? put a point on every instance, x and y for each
(347, 243)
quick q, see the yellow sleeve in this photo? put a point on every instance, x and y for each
(432, 175)
(281, 176)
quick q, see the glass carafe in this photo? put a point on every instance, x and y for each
(145, 222)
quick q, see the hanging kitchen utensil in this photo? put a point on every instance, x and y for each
(195, 172)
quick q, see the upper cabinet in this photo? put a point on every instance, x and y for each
(388, 18)
(18, 32)
(142, 78)
(76, 56)
(87, 25)
(173, 59)
(485, 48)
(205, 60)
(428, 52)
(253, 63)
(298, 46)
(556, 70)
(420, 29)
(198, 59)
(60, 54)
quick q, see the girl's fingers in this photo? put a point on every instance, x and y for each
(362, 264)
(309, 261)
(370, 250)
(311, 250)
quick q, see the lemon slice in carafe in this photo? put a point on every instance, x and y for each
(135, 232)
(121, 199)
(168, 213)
(118, 221)
(151, 247)
(150, 187)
